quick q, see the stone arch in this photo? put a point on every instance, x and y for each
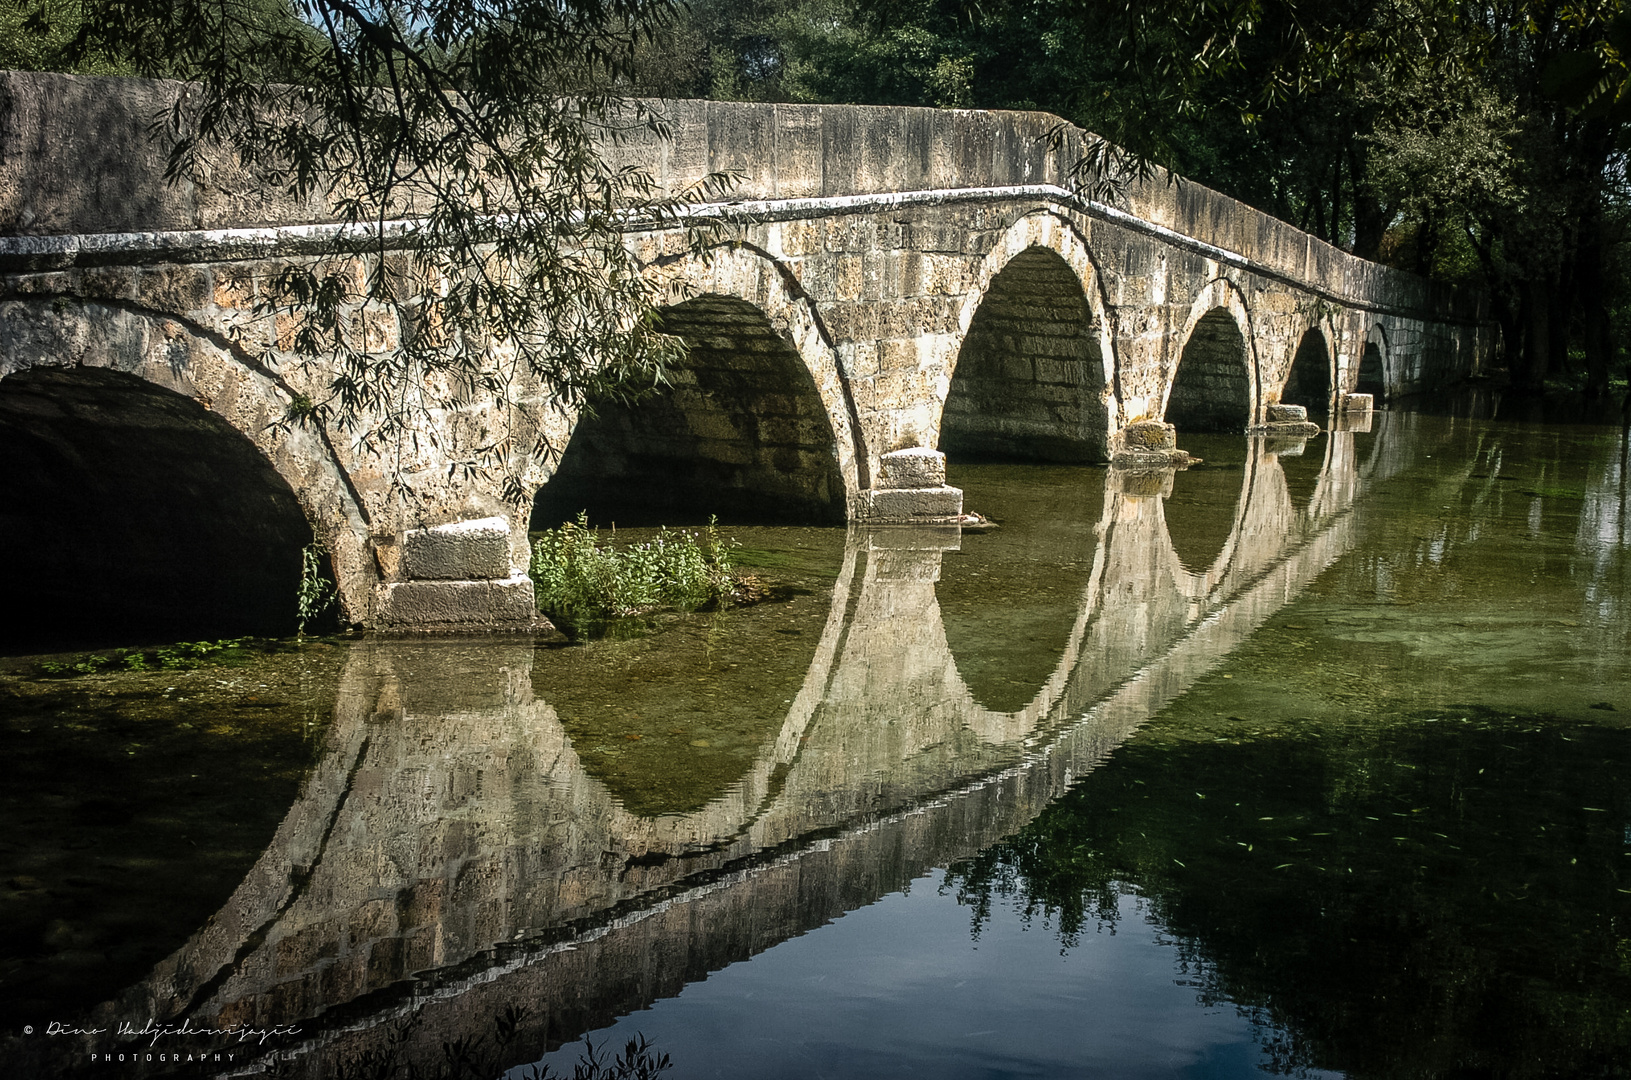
(1031, 372)
(1312, 373)
(1373, 364)
(1214, 386)
(756, 423)
(95, 382)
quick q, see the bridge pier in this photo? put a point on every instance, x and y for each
(1286, 421)
(459, 576)
(911, 489)
(884, 284)
(1148, 444)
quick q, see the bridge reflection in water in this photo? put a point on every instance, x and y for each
(452, 854)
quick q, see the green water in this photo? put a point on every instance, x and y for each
(1311, 758)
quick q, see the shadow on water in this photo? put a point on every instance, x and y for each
(133, 805)
(1302, 462)
(671, 718)
(1201, 512)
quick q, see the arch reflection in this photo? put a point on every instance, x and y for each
(456, 849)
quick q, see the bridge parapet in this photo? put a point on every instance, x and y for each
(884, 280)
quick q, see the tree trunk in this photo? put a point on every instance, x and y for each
(1560, 319)
(1426, 244)
(1510, 320)
(1599, 343)
(1336, 201)
(1370, 220)
(1535, 311)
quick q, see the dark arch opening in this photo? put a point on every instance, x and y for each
(1308, 383)
(130, 513)
(1212, 389)
(741, 433)
(1372, 374)
(1029, 380)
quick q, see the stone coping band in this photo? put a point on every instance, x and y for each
(62, 251)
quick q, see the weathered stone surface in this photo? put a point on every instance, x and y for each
(934, 283)
(461, 551)
(1286, 414)
(483, 605)
(1149, 435)
(913, 504)
(1358, 402)
(1133, 458)
(919, 467)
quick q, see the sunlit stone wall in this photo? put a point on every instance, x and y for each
(882, 279)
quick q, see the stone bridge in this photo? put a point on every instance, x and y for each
(455, 850)
(886, 284)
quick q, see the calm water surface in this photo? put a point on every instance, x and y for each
(1311, 759)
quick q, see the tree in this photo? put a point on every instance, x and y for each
(1480, 143)
(462, 145)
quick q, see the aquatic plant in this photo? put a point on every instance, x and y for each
(317, 592)
(583, 585)
(181, 656)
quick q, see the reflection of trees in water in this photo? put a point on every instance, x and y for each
(1411, 898)
(486, 1054)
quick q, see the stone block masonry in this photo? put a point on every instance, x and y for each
(884, 280)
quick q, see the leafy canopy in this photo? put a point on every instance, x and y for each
(466, 146)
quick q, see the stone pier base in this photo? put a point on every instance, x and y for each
(1287, 421)
(1148, 444)
(457, 576)
(912, 489)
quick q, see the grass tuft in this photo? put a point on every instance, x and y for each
(585, 586)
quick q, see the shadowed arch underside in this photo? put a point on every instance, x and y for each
(1029, 380)
(1372, 375)
(740, 433)
(1309, 381)
(129, 511)
(1212, 389)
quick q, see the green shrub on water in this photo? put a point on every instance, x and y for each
(584, 585)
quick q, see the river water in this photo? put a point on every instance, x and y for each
(1310, 759)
